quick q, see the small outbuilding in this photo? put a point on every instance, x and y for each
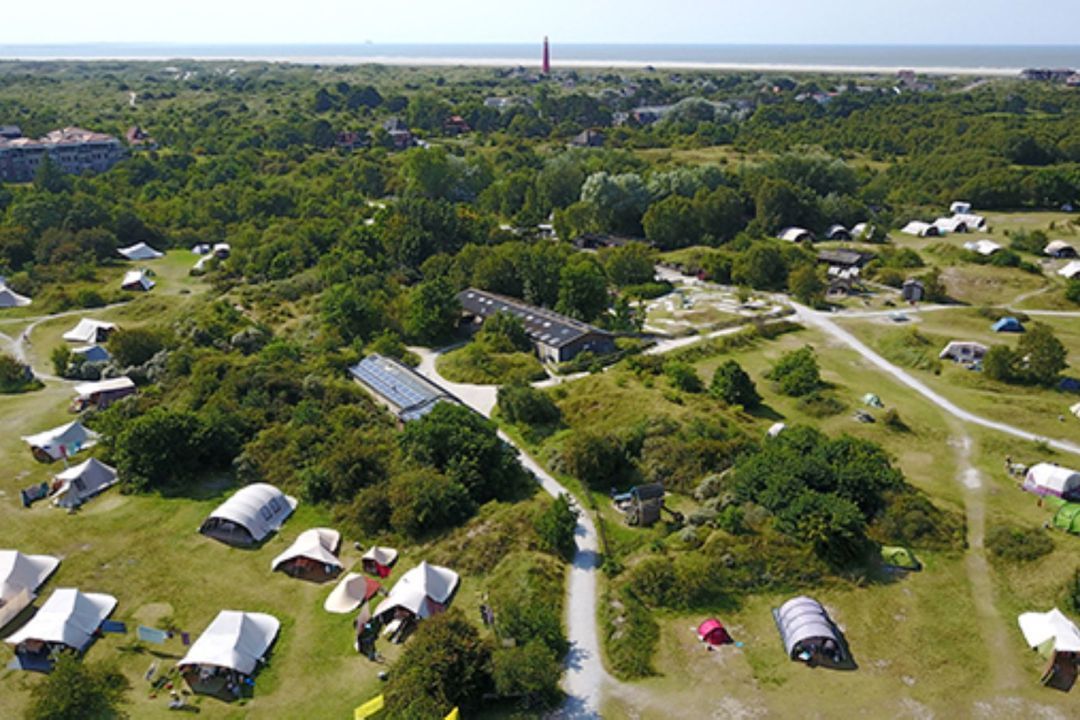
(79, 483)
(249, 516)
(20, 577)
(1056, 638)
(88, 331)
(60, 442)
(913, 290)
(353, 591)
(1008, 324)
(713, 632)
(312, 556)
(809, 634)
(9, 298)
(920, 229)
(963, 351)
(796, 235)
(379, 560)
(226, 655)
(646, 502)
(102, 393)
(69, 619)
(1059, 249)
(137, 281)
(140, 251)
(1054, 480)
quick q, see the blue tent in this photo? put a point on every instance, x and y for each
(1007, 324)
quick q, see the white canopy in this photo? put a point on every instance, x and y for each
(1048, 479)
(69, 617)
(259, 507)
(348, 594)
(83, 481)
(87, 331)
(111, 385)
(1071, 270)
(316, 544)
(9, 298)
(235, 640)
(136, 280)
(140, 251)
(418, 586)
(92, 353)
(62, 441)
(1038, 628)
(383, 555)
(23, 572)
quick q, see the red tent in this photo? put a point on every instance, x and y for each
(712, 631)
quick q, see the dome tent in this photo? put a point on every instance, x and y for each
(808, 633)
(713, 632)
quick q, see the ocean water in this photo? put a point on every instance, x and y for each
(914, 56)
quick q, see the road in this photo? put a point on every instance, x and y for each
(585, 677)
(823, 322)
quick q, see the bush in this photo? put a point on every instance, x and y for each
(599, 461)
(134, 346)
(522, 404)
(76, 690)
(163, 449)
(526, 594)
(733, 385)
(911, 519)
(1072, 291)
(797, 373)
(820, 405)
(556, 527)
(16, 377)
(530, 671)
(425, 501)
(682, 376)
(1018, 545)
(630, 636)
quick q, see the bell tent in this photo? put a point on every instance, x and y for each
(60, 442)
(20, 577)
(379, 560)
(79, 483)
(352, 592)
(311, 556)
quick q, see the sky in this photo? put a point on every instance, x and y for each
(1008, 22)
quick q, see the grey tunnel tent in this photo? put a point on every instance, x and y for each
(808, 633)
(249, 516)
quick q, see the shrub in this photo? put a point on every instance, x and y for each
(630, 636)
(733, 385)
(76, 690)
(820, 405)
(135, 346)
(556, 527)
(526, 591)
(530, 671)
(682, 376)
(599, 461)
(797, 373)
(1072, 291)
(425, 501)
(16, 377)
(1018, 545)
(911, 519)
(522, 404)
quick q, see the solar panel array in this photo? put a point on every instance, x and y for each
(410, 393)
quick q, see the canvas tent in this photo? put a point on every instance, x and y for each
(379, 560)
(808, 633)
(69, 618)
(837, 232)
(140, 251)
(775, 429)
(311, 556)
(92, 353)
(963, 351)
(1059, 249)
(950, 225)
(984, 247)
(920, 229)
(1056, 638)
(90, 331)
(424, 591)
(796, 235)
(252, 513)
(103, 393)
(960, 207)
(1075, 410)
(234, 642)
(1071, 270)
(713, 632)
(81, 482)
(9, 298)
(1007, 324)
(60, 442)
(352, 592)
(20, 577)
(971, 220)
(1047, 479)
(1067, 518)
(136, 280)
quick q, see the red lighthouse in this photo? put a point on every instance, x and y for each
(545, 66)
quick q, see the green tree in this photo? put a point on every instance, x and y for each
(1044, 356)
(807, 284)
(445, 665)
(530, 671)
(1001, 363)
(556, 527)
(432, 311)
(797, 372)
(134, 346)
(425, 501)
(733, 385)
(682, 376)
(720, 213)
(427, 112)
(672, 223)
(75, 690)
(582, 289)
(522, 404)
(761, 267)
(629, 264)
(14, 376)
(598, 460)
(51, 178)
(780, 204)
(504, 332)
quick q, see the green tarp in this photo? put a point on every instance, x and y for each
(1067, 518)
(900, 557)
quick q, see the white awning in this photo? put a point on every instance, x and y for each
(140, 251)
(235, 640)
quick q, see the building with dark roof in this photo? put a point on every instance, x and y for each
(74, 150)
(843, 258)
(557, 338)
(399, 388)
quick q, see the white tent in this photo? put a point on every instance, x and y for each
(20, 577)
(81, 482)
(803, 623)
(1048, 479)
(89, 331)
(982, 247)
(1059, 248)
(920, 229)
(862, 230)
(950, 225)
(68, 617)
(796, 235)
(423, 591)
(87, 389)
(960, 207)
(92, 353)
(973, 222)
(1071, 270)
(251, 514)
(963, 351)
(63, 441)
(350, 593)
(385, 556)
(201, 248)
(235, 640)
(1075, 409)
(221, 250)
(136, 280)
(318, 544)
(140, 251)
(9, 298)
(1040, 628)
(775, 429)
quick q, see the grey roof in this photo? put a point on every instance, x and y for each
(844, 258)
(541, 325)
(411, 394)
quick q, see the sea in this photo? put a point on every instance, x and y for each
(959, 58)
